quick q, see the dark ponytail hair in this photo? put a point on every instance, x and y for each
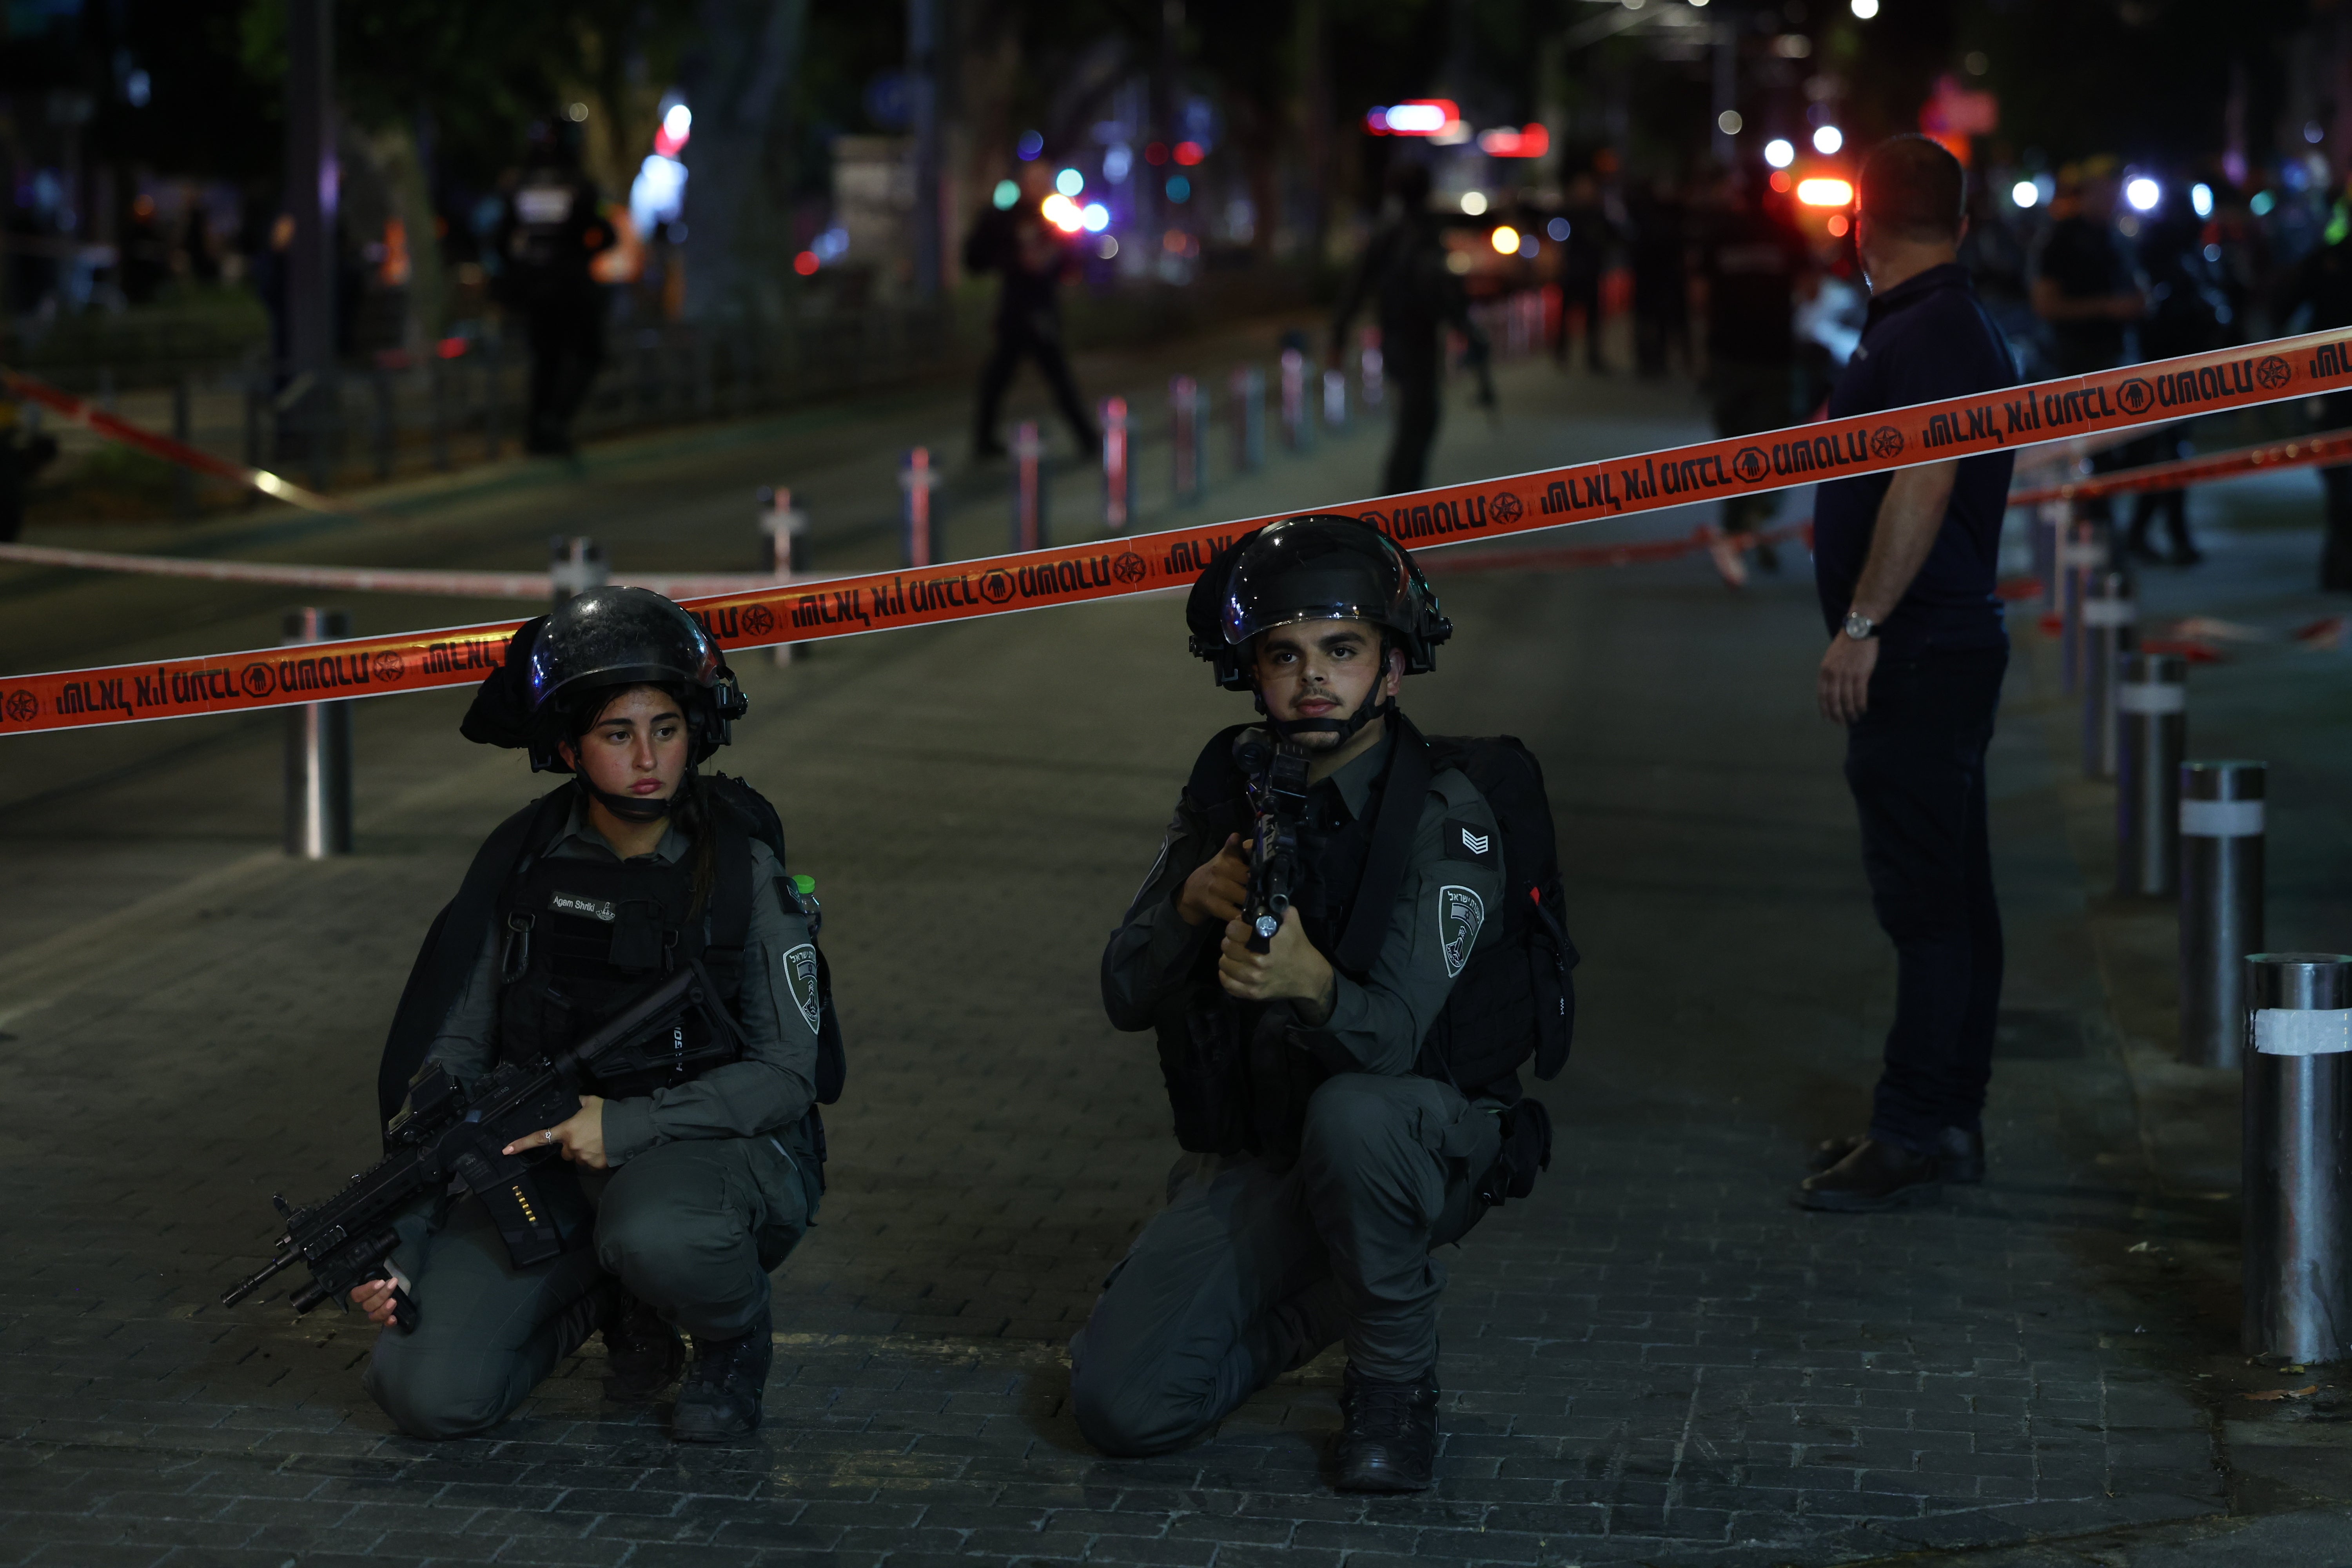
(690, 807)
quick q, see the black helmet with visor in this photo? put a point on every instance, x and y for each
(1321, 566)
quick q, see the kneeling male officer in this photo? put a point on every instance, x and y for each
(698, 1159)
(1348, 1106)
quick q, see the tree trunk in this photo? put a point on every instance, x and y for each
(737, 80)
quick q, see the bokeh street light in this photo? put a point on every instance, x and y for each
(1828, 140)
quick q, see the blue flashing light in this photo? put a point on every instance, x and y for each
(1005, 194)
(1070, 182)
(1180, 189)
(1029, 146)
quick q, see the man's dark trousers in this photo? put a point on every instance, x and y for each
(1916, 763)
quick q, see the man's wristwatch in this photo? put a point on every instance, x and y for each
(1859, 626)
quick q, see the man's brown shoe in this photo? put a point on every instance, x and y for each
(1874, 1176)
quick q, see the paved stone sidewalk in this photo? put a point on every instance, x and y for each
(1655, 1360)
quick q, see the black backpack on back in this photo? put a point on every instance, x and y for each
(1514, 1001)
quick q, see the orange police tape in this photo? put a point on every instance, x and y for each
(1452, 514)
(91, 417)
(2306, 451)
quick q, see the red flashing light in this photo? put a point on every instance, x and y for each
(1189, 153)
(666, 145)
(1780, 181)
(450, 348)
(1503, 141)
(1837, 225)
(806, 264)
(1157, 153)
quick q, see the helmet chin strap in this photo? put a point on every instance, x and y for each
(637, 807)
(1345, 729)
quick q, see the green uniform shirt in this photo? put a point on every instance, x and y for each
(768, 1090)
(1445, 904)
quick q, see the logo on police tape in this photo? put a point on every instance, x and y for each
(1751, 464)
(1505, 506)
(2134, 395)
(21, 705)
(2273, 373)
(388, 666)
(1130, 567)
(1886, 442)
(996, 585)
(1461, 915)
(257, 681)
(758, 620)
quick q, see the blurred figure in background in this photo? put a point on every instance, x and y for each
(2188, 314)
(1017, 242)
(24, 453)
(2086, 288)
(1416, 297)
(1584, 234)
(552, 230)
(2313, 298)
(1658, 254)
(1753, 264)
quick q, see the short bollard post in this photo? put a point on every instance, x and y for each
(1119, 467)
(2108, 613)
(183, 480)
(2220, 904)
(2084, 555)
(917, 480)
(1185, 438)
(1370, 369)
(2049, 531)
(575, 566)
(2297, 1118)
(1296, 433)
(1249, 418)
(1029, 529)
(2152, 721)
(1335, 401)
(785, 528)
(318, 753)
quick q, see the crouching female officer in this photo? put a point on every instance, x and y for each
(698, 1155)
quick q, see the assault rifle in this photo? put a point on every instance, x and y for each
(1277, 771)
(444, 1134)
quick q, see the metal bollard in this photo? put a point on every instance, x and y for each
(2049, 532)
(575, 566)
(1249, 419)
(917, 480)
(1184, 420)
(2083, 556)
(1119, 467)
(1335, 401)
(2297, 1118)
(1029, 529)
(2220, 903)
(2108, 613)
(2152, 721)
(1296, 433)
(318, 753)
(785, 528)
(1369, 369)
(183, 480)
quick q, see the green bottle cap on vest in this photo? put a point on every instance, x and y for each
(805, 886)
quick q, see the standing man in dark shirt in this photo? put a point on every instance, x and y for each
(552, 230)
(1018, 242)
(2086, 288)
(1750, 271)
(1660, 260)
(1904, 561)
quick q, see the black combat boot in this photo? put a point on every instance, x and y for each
(642, 1353)
(1960, 1151)
(1388, 1434)
(720, 1398)
(1877, 1175)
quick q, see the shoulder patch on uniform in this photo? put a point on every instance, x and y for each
(800, 979)
(1469, 840)
(1461, 915)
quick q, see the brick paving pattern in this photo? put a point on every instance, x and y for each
(1655, 1360)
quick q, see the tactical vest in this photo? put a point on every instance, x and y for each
(1234, 1082)
(582, 938)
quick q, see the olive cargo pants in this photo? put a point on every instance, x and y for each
(1252, 1269)
(691, 1228)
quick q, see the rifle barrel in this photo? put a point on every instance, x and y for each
(283, 1260)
